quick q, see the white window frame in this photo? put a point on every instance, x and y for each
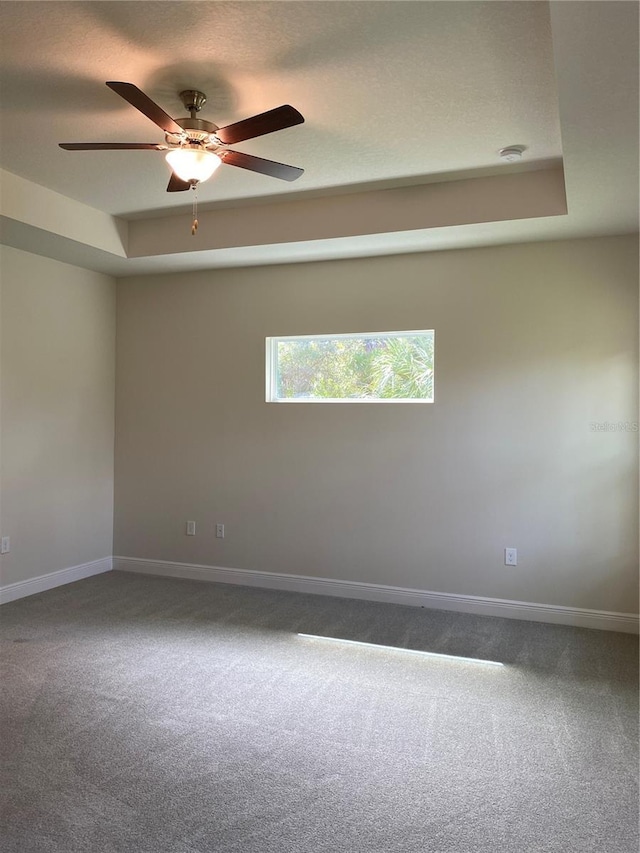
(271, 363)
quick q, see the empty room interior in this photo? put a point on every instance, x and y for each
(319, 427)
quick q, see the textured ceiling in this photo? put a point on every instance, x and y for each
(389, 90)
(406, 106)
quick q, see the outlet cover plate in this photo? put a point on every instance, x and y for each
(511, 556)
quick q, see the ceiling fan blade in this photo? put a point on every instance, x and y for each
(176, 184)
(257, 164)
(137, 98)
(116, 146)
(277, 119)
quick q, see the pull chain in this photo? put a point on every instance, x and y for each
(194, 224)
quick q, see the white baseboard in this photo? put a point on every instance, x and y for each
(12, 591)
(602, 619)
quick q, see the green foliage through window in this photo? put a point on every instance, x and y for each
(383, 366)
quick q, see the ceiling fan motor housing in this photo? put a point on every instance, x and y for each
(195, 130)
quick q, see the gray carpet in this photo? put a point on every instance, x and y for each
(152, 715)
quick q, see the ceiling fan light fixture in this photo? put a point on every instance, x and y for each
(193, 164)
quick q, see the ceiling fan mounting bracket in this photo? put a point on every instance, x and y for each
(193, 100)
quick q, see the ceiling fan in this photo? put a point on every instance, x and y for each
(197, 147)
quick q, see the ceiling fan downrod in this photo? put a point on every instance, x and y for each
(193, 100)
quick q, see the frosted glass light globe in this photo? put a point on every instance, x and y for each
(193, 164)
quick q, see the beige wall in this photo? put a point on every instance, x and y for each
(58, 375)
(534, 343)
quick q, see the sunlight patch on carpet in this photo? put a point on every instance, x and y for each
(378, 646)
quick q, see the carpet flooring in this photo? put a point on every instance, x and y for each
(151, 715)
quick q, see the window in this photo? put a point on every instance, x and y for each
(384, 367)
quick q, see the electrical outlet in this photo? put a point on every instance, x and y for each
(219, 531)
(511, 556)
(191, 528)
(6, 545)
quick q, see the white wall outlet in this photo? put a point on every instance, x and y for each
(191, 528)
(511, 556)
(219, 531)
(6, 545)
